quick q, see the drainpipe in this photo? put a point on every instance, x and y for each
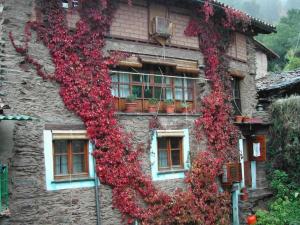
(97, 194)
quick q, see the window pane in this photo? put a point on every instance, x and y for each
(162, 143)
(189, 83)
(78, 163)
(178, 82)
(61, 165)
(137, 91)
(148, 92)
(175, 142)
(137, 78)
(158, 93)
(178, 94)
(78, 146)
(124, 78)
(124, 91)
(175, 156)
(188, 94)
(168, 80)
(158, 80)
(114, 77)
(114, 90)
(163, 158)
(169, 93)
(60, 147)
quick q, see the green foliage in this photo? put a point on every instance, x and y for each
(131, 98)
(293, 61)
(284, 150)
(285, 39)
(285, 209)
(169, 101)
(153, 101)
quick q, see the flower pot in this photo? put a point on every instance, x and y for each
(251, 219)
(131, 107)
(238, 119)
(152, 108)
(185, 110)
(170, 109)
(244, 196)
(246, 119)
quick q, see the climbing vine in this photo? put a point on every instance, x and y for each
(83, 73)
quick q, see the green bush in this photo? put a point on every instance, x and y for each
(285, 208)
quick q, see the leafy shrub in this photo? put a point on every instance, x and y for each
(285, 209)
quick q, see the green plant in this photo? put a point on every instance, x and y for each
(185, 105)
(153, 101)
(131, 98)
(169, 102)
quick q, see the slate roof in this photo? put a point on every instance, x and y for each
(278, 80)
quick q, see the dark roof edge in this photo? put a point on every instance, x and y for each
(269, 52)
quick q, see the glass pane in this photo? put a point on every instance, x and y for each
(168, 81)
(158, 79)
(188, 94)
(169, 93)
(162, 143)
(114, 77)
(178, 82)
(158, 93)
(137, 78)
(78, 163)
(175, 156)
(114, 90)
(124, 78)
(148, 92)
(61, 165)
(60, 147)
(175, 143)
(189, 83)
(162, 159)
(78, 146)
(137, 91)
(124, 91)
(178, 94)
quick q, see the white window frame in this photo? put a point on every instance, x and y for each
(169, 174)
(51, 183)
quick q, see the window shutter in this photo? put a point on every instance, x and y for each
(263, 148)
(250, 149)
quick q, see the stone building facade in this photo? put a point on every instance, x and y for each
(34, 197)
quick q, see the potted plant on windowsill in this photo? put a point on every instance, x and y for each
(170, 106)
(239, 118)
(131, 104)
(152, 105)
(185, 107)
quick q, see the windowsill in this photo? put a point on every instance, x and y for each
(72, 180)
(172, 171)
(158, 114)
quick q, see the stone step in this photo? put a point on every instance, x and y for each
(259, 193)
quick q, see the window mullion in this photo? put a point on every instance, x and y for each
(70, 158)
(169, 152)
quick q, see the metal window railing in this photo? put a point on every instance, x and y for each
(3, 187)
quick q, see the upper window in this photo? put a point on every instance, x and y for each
(236, 95)
(170, 153)
(70, 3)
(70, 158)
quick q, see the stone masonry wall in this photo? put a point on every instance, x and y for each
(28, 94)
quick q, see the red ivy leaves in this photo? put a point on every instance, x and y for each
(83, 73)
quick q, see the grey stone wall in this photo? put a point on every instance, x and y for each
(28, 94)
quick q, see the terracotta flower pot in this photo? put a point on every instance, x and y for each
(170, 109)
(251, 219)
(238, 119)
(246, 119)
(244, 196)
(131, 107)
(152, 108)
(185, 110)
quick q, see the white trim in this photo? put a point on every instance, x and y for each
(253, 174)
(49, 174)
(156, 175)
(241, 148)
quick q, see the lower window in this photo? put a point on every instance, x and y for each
(70, 158)
(170, 153)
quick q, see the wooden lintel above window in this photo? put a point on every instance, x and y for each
(170, 133)
(131, 61)
(237, 73)
(158, 60)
